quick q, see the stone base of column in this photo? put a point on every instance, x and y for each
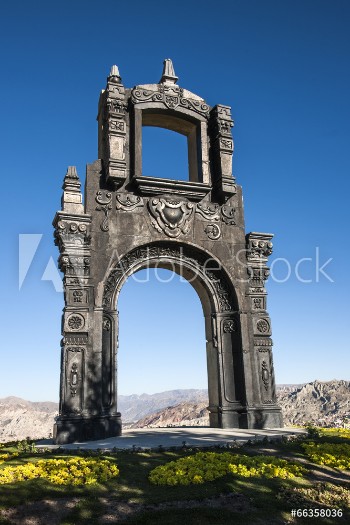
(248, 418)
(72, 429)
(225, 417)
(264, 417)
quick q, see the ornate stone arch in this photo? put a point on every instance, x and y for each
(220, 308)
(183, 258)
(194, 227)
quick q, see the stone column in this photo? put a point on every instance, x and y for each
(72, 236)
(264, 411)
(112, 127)
(222, 151)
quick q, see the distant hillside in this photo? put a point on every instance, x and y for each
(320, 403)
(190, 414)
(20, 419)
(134, 407)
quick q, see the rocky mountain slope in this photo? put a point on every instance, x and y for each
(186, 413)
(20, 419)
(320, 403)
(136, 407)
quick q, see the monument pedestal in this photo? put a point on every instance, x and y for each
(72, 429)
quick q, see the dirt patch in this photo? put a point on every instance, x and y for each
(47, 511)
(117, 511)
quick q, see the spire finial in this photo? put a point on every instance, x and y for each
(114, 74)
(168, 75)
(71, 173)
(72, 197)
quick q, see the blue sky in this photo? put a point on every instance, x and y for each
(283, 66)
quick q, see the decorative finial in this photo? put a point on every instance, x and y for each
(71, 173)
(168, 75)
(71, 179)
(72, 200)
(114, 74)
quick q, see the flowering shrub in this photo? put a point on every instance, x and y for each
(316, 432)
(73, 471)
(332, 455)
(207, 466)
(326, 494)
(336, 432)
(4, 457)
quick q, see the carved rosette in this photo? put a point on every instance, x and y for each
(213, 231)
(262, 326)
(182, 254)
(170, 215)
(229, 326)
(171, 96)
(75, 322)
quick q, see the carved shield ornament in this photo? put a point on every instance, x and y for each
(170, 215)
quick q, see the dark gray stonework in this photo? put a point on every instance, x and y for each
(195, 228)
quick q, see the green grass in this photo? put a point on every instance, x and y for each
(264, 502)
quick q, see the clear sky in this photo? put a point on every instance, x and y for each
(283, 66)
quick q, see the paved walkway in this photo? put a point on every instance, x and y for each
(176, 436)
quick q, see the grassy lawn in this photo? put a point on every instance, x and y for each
(131, 498)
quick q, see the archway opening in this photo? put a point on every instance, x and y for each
(162, 350)
(164, 154)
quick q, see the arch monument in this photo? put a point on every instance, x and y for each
(194, 227)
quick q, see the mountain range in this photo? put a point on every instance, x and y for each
(319, 403)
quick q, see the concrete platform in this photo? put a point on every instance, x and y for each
(148, 438)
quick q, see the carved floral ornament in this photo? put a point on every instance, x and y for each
(258, 248)
(106, 324)
(76, 322)
(171, 96)
(74, 379)
(263, 342)
(128, 201)
(229, 326)
(213, 231)
(75, 266)
(263, 326)
(170, 215)
(71, 233)
(104, 198)
(209, 211)
(182, 254)
(265, 375)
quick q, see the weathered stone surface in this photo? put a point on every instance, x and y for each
(194, 227)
